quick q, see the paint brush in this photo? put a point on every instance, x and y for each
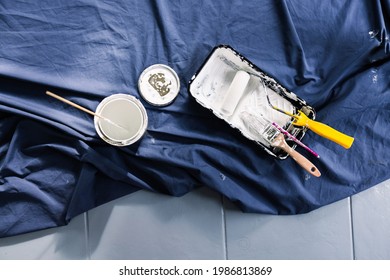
(293, 138)
(83, 109)
(260, 127)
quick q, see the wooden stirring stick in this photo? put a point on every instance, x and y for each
(83, 109)
(73, 104)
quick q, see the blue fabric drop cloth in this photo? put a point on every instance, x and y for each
(53, 166)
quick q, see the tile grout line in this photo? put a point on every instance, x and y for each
(352, 229)
(224, 228)
(86, 236)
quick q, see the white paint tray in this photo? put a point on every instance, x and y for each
(211, 82)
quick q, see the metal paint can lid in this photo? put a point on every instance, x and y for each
(159, 85)
(121, 119)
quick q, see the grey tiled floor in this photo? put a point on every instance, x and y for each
(202, 225)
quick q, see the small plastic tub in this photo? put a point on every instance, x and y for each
(122, 119)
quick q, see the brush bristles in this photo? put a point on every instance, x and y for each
(270, 133)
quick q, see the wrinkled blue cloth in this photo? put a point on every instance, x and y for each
(54, 166)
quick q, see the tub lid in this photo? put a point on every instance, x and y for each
(159, 85)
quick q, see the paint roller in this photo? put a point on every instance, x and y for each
(235, 92)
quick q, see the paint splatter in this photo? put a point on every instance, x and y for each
(373, 33)
(222, 176)
(374, 75)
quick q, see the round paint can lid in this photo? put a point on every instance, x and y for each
(121, 119)
(159, 85)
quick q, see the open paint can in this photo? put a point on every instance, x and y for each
(120, 119)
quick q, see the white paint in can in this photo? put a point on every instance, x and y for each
(127, 119)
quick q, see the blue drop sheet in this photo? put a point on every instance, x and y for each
(53, 166)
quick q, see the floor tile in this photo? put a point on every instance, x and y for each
(321, 234)
(67, 242)
(146, 225)
(371, 222)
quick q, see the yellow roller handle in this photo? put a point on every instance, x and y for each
(324, 130)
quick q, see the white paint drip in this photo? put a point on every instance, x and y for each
(374, 75)
(373, 33)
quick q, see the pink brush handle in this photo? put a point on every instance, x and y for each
(300, 159)
(292, 137)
